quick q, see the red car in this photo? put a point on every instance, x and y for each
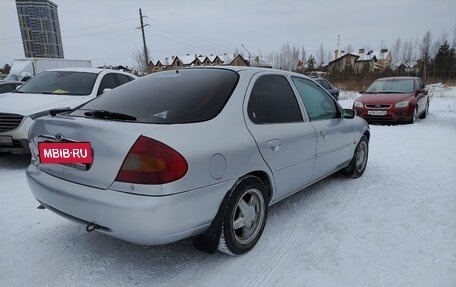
(398, 99)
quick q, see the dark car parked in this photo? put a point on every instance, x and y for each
(328, 86)
(8, 86)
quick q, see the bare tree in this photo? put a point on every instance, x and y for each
(415, 49)
(287, 58)
(349, 48)
(321, 55)
(329, 56)
(407, 53)
(304, 54)
(425, 51)
(138, 59)
(454, 38)
(395, 53)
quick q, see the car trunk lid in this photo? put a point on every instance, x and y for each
(110, 142)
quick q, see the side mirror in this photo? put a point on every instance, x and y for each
(348, 114)
(421, 91)
(106, 90)
(361, 92)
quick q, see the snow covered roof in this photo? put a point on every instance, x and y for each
(202, 58)
(366, 57)
(381, 55)
(187, 60)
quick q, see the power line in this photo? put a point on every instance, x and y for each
(74, 29)
(100, 25)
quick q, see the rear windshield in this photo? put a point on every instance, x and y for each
(60, 83)
(404, 86)
(182, 96)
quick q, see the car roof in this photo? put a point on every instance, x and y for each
(10, 82)
(90, 70)
(397, 78)
(251, 70)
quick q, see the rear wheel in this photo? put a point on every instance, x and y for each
(359, 161)
(245, 217)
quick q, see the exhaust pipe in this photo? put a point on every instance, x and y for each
(92, 226)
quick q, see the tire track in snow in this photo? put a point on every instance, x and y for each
(291, 236)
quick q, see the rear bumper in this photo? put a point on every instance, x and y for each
(146, 220)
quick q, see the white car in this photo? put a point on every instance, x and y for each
(53, 89)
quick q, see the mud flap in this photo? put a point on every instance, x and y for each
(208, 241)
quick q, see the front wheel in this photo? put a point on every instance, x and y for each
(245, 216)
(426, 111)
(359, 161)
(413, 119)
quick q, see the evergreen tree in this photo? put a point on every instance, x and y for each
(444, 62)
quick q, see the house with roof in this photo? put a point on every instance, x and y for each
(215, 60)
(363, 61)
(233, 60)
(178, 62)
(384, 59)
(342, 62)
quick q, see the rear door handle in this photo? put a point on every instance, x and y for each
(274, 144)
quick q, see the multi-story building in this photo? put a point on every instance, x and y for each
(40, 29)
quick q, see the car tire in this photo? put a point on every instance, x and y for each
(245, 216)
(425, 112)
(413, 119)
(359, 161)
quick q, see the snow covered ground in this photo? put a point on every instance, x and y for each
(394, 226)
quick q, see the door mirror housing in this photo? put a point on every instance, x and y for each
(348, 114)
(361, 92)
(421, 91)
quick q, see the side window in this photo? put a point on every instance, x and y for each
(272, 101)
(108, 82)
(319, 105)
(122, 79)
(422, 86)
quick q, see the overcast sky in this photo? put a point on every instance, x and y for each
(104, 31)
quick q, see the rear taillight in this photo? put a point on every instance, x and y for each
(152, 162)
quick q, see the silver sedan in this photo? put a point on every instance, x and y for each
(197, 152)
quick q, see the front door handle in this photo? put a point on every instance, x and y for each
(274, 144)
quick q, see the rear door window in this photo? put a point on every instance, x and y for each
(122, 79)
(108, 82)
(273, 101)
(179, 96)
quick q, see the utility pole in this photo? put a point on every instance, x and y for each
(338, 42)
(144, 38)
(247, 52)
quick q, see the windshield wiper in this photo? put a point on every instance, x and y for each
(19, 92)
(103, 114)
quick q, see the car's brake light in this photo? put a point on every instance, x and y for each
(152, 162)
